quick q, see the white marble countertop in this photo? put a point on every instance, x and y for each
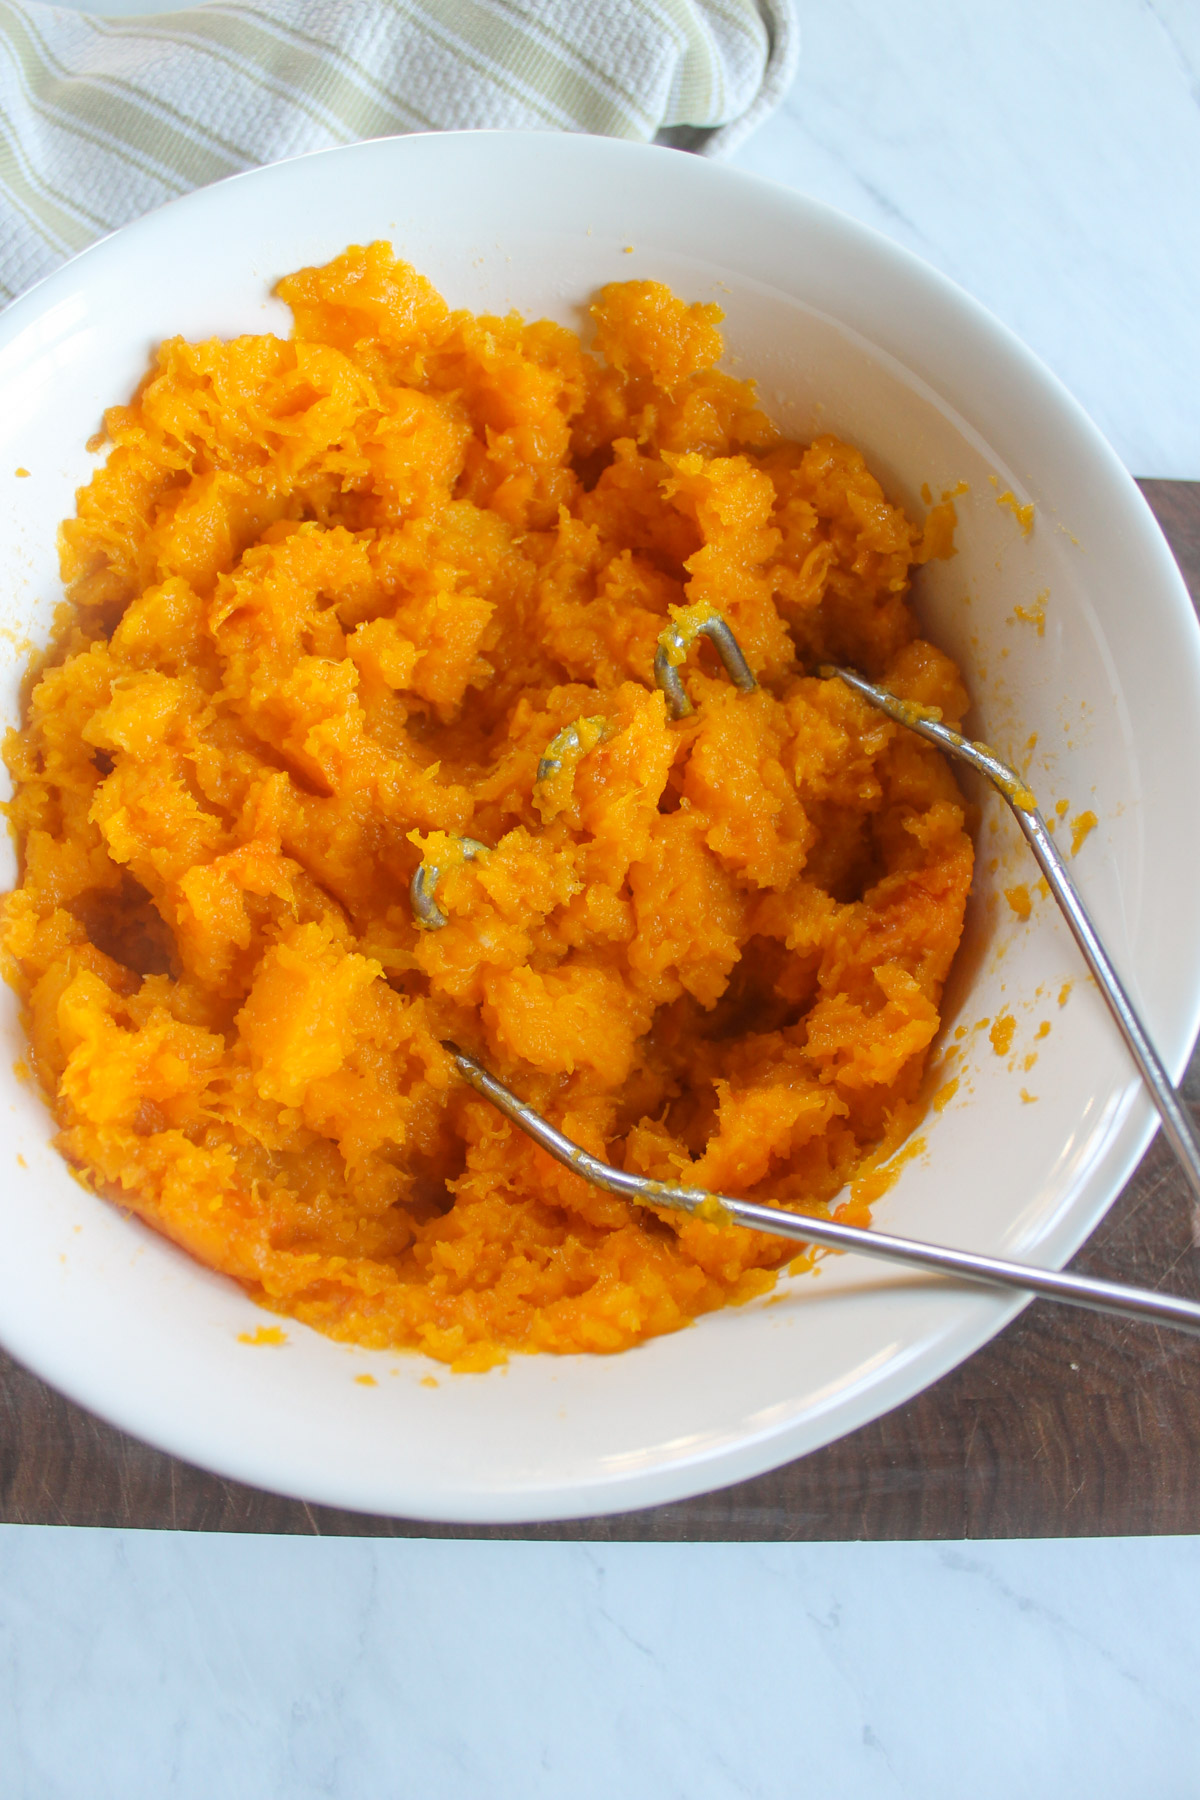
(1048, 158)
(1044, 156)
(142, 1665)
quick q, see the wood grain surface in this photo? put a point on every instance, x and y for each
(1066, 1425)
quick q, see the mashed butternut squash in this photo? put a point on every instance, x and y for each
(338, 602)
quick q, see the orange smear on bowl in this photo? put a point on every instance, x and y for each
(1022, 514)
(1036, 614)
(1018, 899)
(1081, 825)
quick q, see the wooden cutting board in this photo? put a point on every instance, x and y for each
(1065, 1425)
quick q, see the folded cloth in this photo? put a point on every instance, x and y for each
(102, 119)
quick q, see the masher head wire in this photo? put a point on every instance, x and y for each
(424, 885)
(674, 644)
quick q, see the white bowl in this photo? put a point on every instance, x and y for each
(847, 333)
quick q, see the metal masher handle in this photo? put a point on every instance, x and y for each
(1071, 1290)
(1176, 1124)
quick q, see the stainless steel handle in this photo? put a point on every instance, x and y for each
(1070, 1290)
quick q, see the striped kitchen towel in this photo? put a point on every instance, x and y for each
(102, 119)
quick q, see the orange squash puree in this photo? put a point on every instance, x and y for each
(331, 599)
